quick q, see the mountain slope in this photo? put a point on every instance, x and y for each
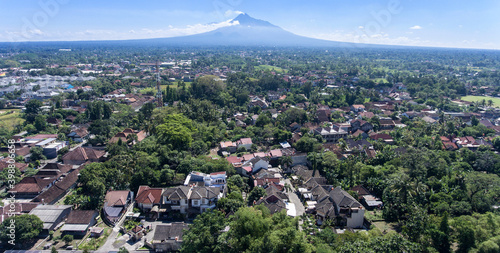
(247, 31)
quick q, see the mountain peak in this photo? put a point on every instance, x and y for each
(245, 20)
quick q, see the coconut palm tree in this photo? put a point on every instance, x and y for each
(286, 161)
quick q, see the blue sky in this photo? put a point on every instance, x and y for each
(441, 23)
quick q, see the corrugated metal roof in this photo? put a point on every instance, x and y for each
(74, 227)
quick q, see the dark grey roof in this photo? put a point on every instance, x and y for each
(326, 208)
(177, 193)
(271, 190)
(273, 203)
(170, 231)
(204, 192)
(112, 211)
(343, 199)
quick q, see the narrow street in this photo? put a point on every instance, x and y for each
(294, 199)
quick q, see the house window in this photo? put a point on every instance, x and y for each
(195, 202)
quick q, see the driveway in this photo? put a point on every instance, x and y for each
(113, 243)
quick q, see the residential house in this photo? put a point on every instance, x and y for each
(123, 136)
(329, 134)
(228, 146)
(387, 124)
(78, 134)
(203, 198)
(382, 136)
(358, 108)
(244, 143)
(341, 207)
(361, 133)
(215, 179)
(16, 209)
(466, 142)
(168, 237)
(116, 204)
(79, 221)
(30, 187)
(137, 232)
(54, 121)
(362, 125)
(176, 198)
(4, 164)
(323, 115)
(257, 163)
(360, 145)
(366, 198)
(81, 155)
(367, 115)
(275, 200)
(59, 189)
(148, 197)
(50, 151)
(257, 101)
(448, 144)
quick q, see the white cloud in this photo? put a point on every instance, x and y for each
(231, 13)
(98, 34)
(361, 27)
(416, 27)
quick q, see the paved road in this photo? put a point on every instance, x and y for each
(292, 196)
(109, 245)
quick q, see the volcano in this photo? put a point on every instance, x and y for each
(246, 31)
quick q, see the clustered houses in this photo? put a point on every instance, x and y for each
(327, 202)
(136, 101)
(201, 192)
(229, 147)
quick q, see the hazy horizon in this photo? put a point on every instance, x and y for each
(456, 24)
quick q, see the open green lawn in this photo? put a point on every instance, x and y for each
(175, 84)
(270, 68)
(496, 101)
(380, 80)
(9, 120)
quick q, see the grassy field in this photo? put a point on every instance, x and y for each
(9, 120)
(496, 101)
(380, 80)
(270, 68)
(175, 84)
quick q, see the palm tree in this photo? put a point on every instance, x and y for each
(342, 145)
(286, 161)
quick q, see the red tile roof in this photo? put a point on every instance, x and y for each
(84, 154)
(276, 153)
(41, 136)
(146, 195)
(4, 164)
(116, 198)
(80, 216)
(234, 160)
